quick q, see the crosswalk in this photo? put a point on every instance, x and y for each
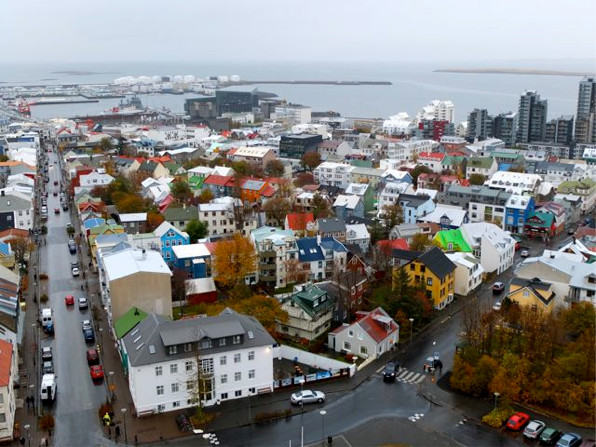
(406, 376)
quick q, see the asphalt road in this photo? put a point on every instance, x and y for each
(78, 398)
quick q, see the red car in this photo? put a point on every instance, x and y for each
(96, 372)
(517, 421)
(69, 300)
(92, 357)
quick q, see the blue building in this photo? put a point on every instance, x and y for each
(415, 207)
(195, 259)
(517, 210)
(169, 237)
(346, 206)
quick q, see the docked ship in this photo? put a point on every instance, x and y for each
(131, 110)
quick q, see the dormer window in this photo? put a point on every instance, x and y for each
(236, 340)
(173, 350)
(205, 344)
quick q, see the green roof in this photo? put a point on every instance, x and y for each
(545, 217)
(181, 214)
(306, 299)
(172, 167)
(507, 155)
(362, 163)
(480, 162)
(453, 237)
(451, 160)
(129, 320)
(196, 182)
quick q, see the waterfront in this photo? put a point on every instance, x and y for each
(414, 85)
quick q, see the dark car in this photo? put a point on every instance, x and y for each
(72, 247)
(89, 335)
(550, 436)
(92, 357)
(570, 440)
(390, 371)
(48, 367)
(49, 328)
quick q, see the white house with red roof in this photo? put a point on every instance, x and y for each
(8, 375)
(432, 160)
(372, 334)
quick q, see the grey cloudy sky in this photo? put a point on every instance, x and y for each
(296, 30)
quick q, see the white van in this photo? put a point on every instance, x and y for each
(48, 387)
(46, 316)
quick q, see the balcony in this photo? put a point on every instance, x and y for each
(267, 254)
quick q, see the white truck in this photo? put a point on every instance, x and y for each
(46, 316)
(48, 388)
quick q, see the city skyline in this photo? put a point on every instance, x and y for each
(332, 31)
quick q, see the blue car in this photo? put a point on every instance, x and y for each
(570, 440)
(89, 335)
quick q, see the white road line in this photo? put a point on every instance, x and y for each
(409, 376)
(420, 379)
(345, 440)
(380, 369)
(402, 374)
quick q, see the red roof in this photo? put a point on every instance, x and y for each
(219, 180)
(165, 203)
(433, 155)
(464, 182)
(298, 221)
(11, 233)
(394, 244)
(5, 362)
(268, 191)
(378, 330)
(164, 159)
(231, 152)
(211, 246)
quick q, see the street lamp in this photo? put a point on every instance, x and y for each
(323, 413)
(411, 329)
(123, 410)
(496, 398)
(27, 427)
(111, 385)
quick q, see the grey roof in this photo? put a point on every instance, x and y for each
(13, 203)
(437, 262)
(331, 225)
(181, 214)
(412, 200)
(148, 343)
(473, 190)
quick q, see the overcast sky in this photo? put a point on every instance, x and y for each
(296, 30)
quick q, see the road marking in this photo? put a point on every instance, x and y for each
(380, 369)
(409, 376)
(420, 379)
(345, 440)
(402, 374)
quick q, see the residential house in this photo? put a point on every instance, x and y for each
(371, 335)
(437, 182)
(482, 203)
(435, 273)
(494, 247)
(586, 189)
(408, 151)
(94, 179)
(194, 259)
(517, 182)
(572, 206)
(331, 227)
(219, 218)
(310, 312)
(9, 375)
(517, 210)
(532, 293)
(153, 169)
(133, 222)
(175, 170)
(359, 236)
(415, 207)
(389, 196)
(334, 150)
(169, 237)
(346, 206)
(253, 190)
(299, 223)
(320, 258)
(540, 224)
(446, 216)
(179, 217)
(161, 357)
(333, 174)
(200, 290)
(7, 258)
(16, 211)
(371, 176)
(397, 176)
(432, 160)
(558, 211)
(405, 231)
(468, 272)
(93, 232)
(347, 290)
(259, 155)
(365, 192)
(276, 251)
(220, 185)
(485, 166)
(10, 311)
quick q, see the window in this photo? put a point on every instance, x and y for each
(2, 418)
(223, 378)
(363, 350)
(251, 355)
(251, 373)
(423, 268)
(238, 393)
(159, 390)
(236, 340)
(175, 387)
(350, 333)
(207, 366)
(173, 349)
(237, 358)
(188, 347)
(189, 385)
(176, 404)
(237, 376)
(161, 408)
(223, 396)
(222, 342)
(173, 368)
(347, 345)
(412, 267)
(188, 365)
(526, 293)
(429, 281)
(205, 344)
(158, 370)
(223, 360)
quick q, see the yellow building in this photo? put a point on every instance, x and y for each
(433, 271)
(533, 293)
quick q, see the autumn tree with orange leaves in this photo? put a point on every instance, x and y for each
(233, 260)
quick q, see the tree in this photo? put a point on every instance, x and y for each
(477, 179)
(419, 169)
(320, 206)
(3, 158)
(266, 310)
(304, 178)
(276, 209)
(129, 203)
(154, 220)
(274, 168)
(196, 230)
(205, 196)
(179, 277)
(310, 160)
(20, 247)
(233, 260)
(181, 191)
(420, 242)
(105, 145)
(393, 215)
(579, 318)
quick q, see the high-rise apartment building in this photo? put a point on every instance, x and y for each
(559, 130)
(531, 120)
(505, 127)
(479, 125)
(585, 120)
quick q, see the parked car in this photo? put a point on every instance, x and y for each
(534, 429)
(307, 397)
(46, 353)
(72, 247)
(525, 253)
(48, 367)
(55, 183)
(390, 371)
(48, 328)
(83, 304)
(517, 421)
(69, 300)
(498, 287)
(92, 357)
(497, 306)
(56, 210)
(570, 230)
(183, 422)
(96, 372)
(75, 271)
(89, 335)
(570, 440)
(86, 324)
(550, 436)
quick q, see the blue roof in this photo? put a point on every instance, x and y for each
(330, 243)
(95, 222)
(4, 248)
(309, 250)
